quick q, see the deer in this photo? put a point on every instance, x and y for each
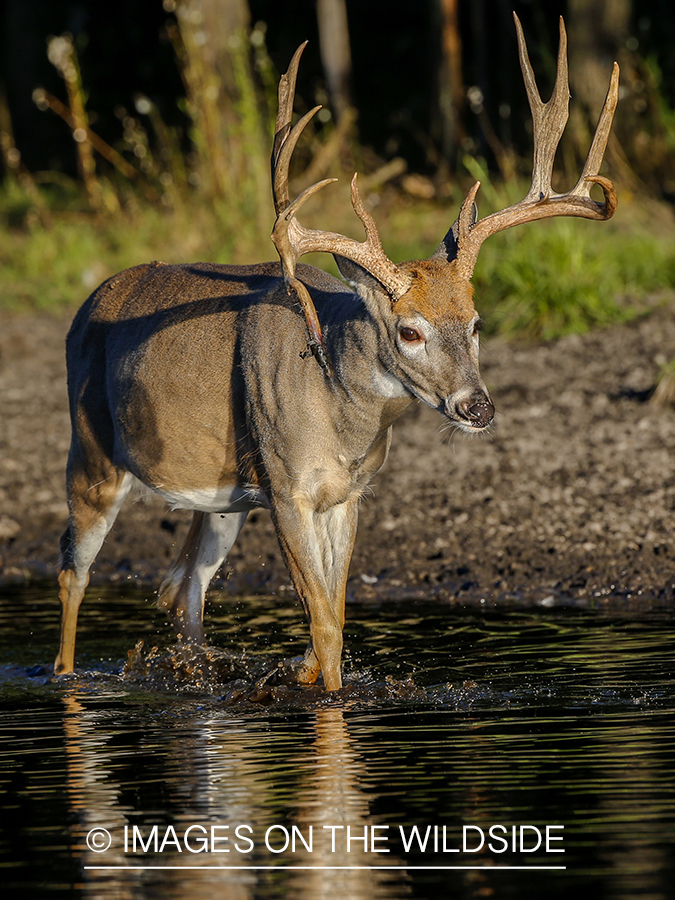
(225, 389)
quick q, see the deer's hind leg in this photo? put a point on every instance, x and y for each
(182, 593)
(94, 500)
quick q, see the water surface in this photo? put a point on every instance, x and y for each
(450, 719)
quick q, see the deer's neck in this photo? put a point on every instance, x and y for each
(355, 345)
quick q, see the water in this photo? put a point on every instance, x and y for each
(454, 721)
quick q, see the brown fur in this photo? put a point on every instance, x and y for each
(195, 380)
(438, 292)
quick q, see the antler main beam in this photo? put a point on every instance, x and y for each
(293, 240)
(549, 120)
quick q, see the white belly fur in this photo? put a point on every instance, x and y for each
(230, 499)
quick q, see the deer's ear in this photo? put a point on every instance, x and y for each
(360, 279)
(448, 248)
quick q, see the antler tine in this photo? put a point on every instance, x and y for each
(599, 144)
(281, 159)
(285, 140)
(283, 126)
(372, 234)
(468, 214)
(549, 120)
(292, 239)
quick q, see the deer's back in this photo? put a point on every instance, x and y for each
(157, 361)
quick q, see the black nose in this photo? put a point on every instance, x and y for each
(479, 412)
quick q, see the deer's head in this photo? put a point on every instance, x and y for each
(424, 308)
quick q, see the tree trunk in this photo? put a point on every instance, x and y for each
(227, 133)
(224, 24)
(598, 30)
(450, 82)
(335, 54)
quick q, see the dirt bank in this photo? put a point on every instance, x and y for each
(572, 495)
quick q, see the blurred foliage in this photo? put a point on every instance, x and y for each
(128, 52)
(569, 275)
(664, 392)
(196, 186)
(539, 281)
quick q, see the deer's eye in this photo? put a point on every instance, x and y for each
(409, 334)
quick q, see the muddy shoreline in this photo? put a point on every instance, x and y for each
(570, 499)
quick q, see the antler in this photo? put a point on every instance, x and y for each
(293, 240)
(549, 120)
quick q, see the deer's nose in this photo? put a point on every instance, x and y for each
(477, 410)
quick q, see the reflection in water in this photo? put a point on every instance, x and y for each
(564, 718)
(219, 773)
(93, 799)
(332, 803)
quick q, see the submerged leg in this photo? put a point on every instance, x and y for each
(182, 593)
(94, 501)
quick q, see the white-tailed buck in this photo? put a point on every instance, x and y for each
(195, 381)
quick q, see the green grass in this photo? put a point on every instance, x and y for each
(562, 276)
(541, 280)
(53, 258)
(664, 393)
(570, 276)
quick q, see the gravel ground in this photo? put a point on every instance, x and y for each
(570, 499)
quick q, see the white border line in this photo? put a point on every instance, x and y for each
(316, 868)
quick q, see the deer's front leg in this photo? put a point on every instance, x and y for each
(317, 548)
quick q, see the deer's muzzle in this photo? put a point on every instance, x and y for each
(476, 410)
